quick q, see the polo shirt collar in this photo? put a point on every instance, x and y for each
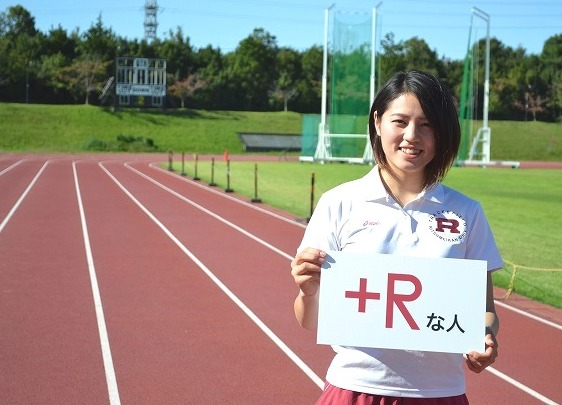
(374, 188)
(434, 194)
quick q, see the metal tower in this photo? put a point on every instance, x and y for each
(150, 23)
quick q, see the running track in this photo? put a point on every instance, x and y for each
(124, 283)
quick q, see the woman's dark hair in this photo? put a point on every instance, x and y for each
(440, 110)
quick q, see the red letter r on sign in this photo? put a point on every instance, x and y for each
(399, 299)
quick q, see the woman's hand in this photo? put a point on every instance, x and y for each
(305, 269)
(477, 362)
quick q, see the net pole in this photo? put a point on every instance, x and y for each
(465, 114)
(321, 152)
(373, 88)
(373, 57)
(485, 129)
(325, 67)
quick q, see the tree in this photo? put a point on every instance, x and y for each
(58, 41)
(49, 71)
(250, 71)
(506, 76)
(17, 21)
(454, 74)
(289, 74)
(84, 76)
(551, 58)
(99, 42)
(139, 49)
(391, 58)
(4, 79)
(283, 91)
(20, 44)
(91, 68)
(186, 88)
(533, 104)
(60, 66)
(310, 86)
(418, 55)
(179, 54)
(58, 50)
(210, 65)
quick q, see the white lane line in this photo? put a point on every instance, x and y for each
(522, 387)
(529, 315)
(257, 208)
(228, 197)
(212, 214)
(110, 378)
(7, 169)
(492, 370)
(265, 329)
(22, 197)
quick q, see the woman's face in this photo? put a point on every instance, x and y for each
(407, 138)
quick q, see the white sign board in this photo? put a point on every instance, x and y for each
(140, 90)
(398, 302)
(140, 77)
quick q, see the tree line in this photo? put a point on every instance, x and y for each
(73, 67)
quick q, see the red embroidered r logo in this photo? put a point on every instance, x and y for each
(444, 223)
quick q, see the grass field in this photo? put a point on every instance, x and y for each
(523, 206)
(56, 128)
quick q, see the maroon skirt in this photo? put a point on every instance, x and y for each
(337, 396)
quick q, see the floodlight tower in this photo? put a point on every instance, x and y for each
(150, 23)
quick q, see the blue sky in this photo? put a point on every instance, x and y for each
(299, 24)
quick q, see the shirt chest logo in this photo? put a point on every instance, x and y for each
(447, 226)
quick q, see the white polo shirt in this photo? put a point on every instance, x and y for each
(361, 216)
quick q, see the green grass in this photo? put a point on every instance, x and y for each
(64, 128)
(55, 128)
(522, 206)
(516, 140)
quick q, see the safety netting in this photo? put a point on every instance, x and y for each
(348, 88)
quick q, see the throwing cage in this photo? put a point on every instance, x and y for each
(479, 152)
(348, 64)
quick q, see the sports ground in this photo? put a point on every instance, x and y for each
(122, 282)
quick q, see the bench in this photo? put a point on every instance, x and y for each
(262, 142)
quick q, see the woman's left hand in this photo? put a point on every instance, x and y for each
(477, 362)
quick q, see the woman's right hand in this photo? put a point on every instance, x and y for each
(305, 269)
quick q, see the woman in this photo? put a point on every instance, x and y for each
(415, 135)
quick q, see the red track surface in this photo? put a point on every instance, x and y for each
(178, 293)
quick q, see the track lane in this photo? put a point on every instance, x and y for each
(260, 276)
(284, 235)
(48, 347)
(174, 335)
(526, 358)
(14, 180)
(520, 353)
(6, 164)
(218, 244)
(509, 350)
(519, 361)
